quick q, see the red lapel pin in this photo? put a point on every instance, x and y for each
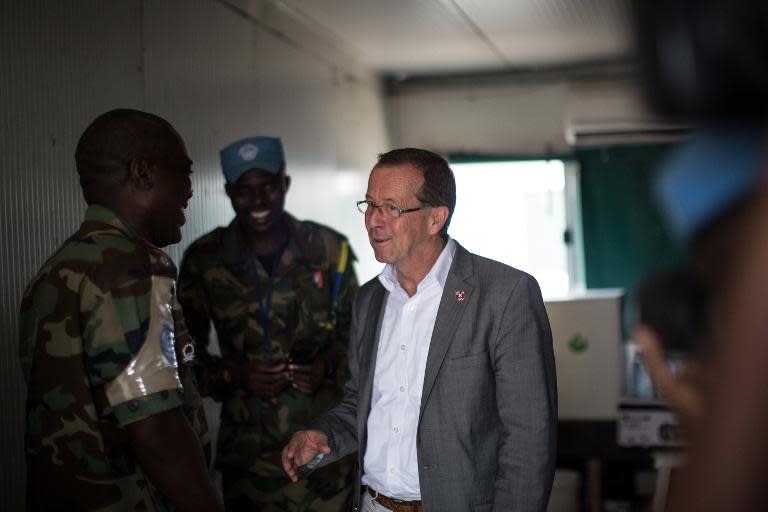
(460, 295)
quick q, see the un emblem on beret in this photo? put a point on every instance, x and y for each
(248, 152)
(168, 344)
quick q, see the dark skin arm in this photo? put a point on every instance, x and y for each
(170, 455)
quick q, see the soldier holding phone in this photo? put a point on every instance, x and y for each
(279, 293)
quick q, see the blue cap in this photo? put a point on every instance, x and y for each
(262, 153)
(708, 175)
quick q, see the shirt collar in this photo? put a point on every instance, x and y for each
(438, 273)
(104, 215)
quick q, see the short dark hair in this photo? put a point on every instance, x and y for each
(439, 188)
(109, 144)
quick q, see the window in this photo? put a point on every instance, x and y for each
(521, 213)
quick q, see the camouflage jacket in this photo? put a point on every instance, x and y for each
(216, 284)
(103, 344)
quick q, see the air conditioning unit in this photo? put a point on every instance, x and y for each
(605, 133)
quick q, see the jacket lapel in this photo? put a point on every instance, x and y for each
(457, 296)
(368, 350)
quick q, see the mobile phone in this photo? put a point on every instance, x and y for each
(310, 466)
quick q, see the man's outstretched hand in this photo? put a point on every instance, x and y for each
(302, 448)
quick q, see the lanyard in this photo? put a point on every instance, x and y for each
(265, 306)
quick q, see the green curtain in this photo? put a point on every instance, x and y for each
(624, 234)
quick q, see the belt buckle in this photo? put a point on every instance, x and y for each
(404, 506)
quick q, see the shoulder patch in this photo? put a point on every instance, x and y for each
(154, 368)
(168, 344)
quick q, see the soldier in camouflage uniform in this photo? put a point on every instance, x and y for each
(114, 420)
(278, 292)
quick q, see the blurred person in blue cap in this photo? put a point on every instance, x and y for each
(713, 193)
(278, 292)
(706, 61)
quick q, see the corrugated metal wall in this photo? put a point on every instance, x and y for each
(217, 72)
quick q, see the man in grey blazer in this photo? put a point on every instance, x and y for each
(451, 401)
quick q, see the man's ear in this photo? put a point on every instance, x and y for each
(229, 188)
(141, 175)
(287, 183)
(437, 219)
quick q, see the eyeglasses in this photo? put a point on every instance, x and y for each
(389, 210)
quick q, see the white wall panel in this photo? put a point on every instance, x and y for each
(605, 102)
(61, 63)
(201, 78)
(357, 147)
(217, 74)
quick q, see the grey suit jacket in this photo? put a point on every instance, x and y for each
(486, 434)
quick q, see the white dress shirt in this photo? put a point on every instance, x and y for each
(390, 464)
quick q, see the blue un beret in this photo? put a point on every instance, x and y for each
(262, 153)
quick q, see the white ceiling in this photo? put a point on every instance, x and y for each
(439, 36)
